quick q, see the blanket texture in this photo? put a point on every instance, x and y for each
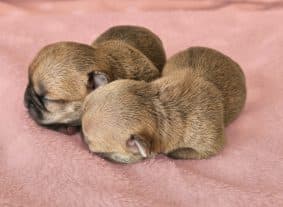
(39, 167)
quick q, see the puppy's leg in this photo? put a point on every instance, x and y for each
(198, 152)
(184, 153)
(204, 136)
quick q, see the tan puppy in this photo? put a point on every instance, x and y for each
(140, 38)
(217, 68)
(62, 74)
(181, 115)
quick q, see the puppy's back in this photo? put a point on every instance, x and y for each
(124, 61)
(140, 38)
(217, 68)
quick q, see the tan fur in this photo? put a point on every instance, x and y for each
(217, 68)
(181, 114)
(140, 38)
(59, 74)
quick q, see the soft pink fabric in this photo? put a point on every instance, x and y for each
(43, 168)
(145, 5)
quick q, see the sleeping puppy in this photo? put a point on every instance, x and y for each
(182, 114)
(140, 38)
(217, 68)
(63, 73)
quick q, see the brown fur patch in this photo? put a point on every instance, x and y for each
(140, 38)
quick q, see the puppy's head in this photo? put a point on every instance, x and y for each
(60, 77)
(118, 123)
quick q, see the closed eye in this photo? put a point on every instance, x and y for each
(60, 101)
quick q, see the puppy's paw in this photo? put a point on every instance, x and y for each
(184, 153)
(69, 130)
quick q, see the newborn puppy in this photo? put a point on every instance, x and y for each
(63, 73)
(217, 68)
(181, 114)
(140, 38)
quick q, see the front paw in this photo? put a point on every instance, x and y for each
(69, 130)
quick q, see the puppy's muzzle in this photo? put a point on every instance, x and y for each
(33, 104)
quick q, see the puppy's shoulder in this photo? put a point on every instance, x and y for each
(186, 86)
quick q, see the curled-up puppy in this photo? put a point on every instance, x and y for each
(181, 114)
(63, 73)
(217, 68)
(140, 38)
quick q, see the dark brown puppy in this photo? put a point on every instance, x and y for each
(181, 115)
(140, 38)
(62, 74)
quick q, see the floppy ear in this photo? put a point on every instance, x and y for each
(138, 144)
(97, 79)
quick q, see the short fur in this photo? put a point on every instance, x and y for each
(217, 68)
(181, 114)
(140, 38)
(63, 73)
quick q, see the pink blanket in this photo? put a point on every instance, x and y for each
(43, 168)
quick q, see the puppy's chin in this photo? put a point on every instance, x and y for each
(69, 128)
(67, 123)
(64, 128)
(120, 158)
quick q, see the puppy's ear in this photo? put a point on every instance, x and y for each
(97, 79)
(138, 144)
